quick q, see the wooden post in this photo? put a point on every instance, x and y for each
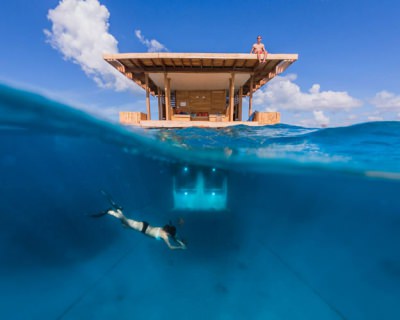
(240, 103)
(169, 99)
(231, 96)
(251, 97)
(167, 83)
(146, 77)
(159, 103)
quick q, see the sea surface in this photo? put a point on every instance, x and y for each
(307, 227)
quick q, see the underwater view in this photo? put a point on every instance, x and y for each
(280, 222)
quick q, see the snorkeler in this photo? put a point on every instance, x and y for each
(164, 233)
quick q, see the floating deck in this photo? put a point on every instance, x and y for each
(199, 89)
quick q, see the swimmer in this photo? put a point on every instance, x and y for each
(259, 49)
(159, 233)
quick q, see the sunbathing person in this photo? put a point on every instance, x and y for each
(259, 49)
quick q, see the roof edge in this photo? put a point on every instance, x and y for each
(226, 56)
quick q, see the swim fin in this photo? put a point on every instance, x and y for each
(113, 204)
(100, 214)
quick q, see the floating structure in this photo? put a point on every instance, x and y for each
(199, 89)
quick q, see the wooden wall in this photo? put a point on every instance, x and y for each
(213, 102)
(131, 117)
(267, 117)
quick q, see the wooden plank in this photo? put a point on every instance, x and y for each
(163, 66)
(147, 96)
(190, 69)
(187, 124)
(131, 118)
(227, 56)
(264, 118)
(136, 64)
(218, 101)
(169, 99)
(167, 96)
(231, 96)
(251, 95)
(153, 62)
(240, 103)
(159, 103)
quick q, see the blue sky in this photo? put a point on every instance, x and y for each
(347, 70)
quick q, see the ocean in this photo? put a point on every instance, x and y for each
(281, 222)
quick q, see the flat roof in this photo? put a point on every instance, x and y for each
(199, 71)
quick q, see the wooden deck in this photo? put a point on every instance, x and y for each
(152, 124)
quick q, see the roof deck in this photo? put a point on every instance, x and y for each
(198, 86)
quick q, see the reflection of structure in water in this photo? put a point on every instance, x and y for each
(199, 189)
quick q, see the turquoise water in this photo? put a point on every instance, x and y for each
(309, 228)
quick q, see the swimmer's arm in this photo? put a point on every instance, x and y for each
(252, 49)
(182, 245)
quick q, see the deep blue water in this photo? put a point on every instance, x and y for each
(310, 229)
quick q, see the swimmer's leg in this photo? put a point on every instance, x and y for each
(100, 214)
(130, 223)
(116, 213)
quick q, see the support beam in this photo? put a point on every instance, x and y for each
(231, 96)
(169, 99)
(251, 96)
(240, 103)
(191, 69)
(159, 104)
(167, 85)
(146, 77)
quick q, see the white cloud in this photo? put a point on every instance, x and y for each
(152, 45)
(386, 100)
(80, 32)
(111, 113)
(375, 118)
(321, 119)
(283, 94)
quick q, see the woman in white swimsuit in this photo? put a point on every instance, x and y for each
(164, 233)
(158, 233)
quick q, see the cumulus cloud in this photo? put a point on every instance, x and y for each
(80, 32)
(283, 94)
(375, 118)
(386, 100)
(321, 118)
(152, 45)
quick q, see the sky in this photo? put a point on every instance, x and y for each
(347, 72)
